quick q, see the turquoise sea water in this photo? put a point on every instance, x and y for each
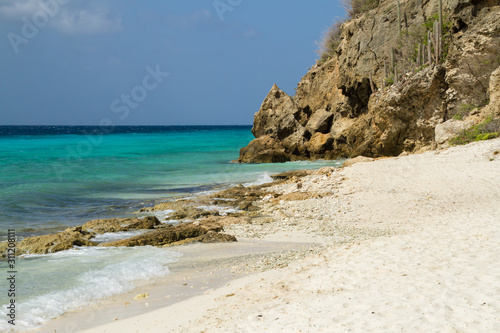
(55, 177)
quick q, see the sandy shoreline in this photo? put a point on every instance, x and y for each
(412, 246)
(202, 268)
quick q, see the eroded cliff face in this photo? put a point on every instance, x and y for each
(335, 113)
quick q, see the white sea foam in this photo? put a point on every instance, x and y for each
(264, 178)
(201, 193)
(112, 236)
(163, 215)
(223, 210)
(224, 199)
(174, 222)
(83, 276)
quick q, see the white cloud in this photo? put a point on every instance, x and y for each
(68, 17)
(92, 21)
(15, 9)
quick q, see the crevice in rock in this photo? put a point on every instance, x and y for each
(422, 10)
(459, 25)
(284, 132)
(369, 42)
(302, 115)
(358, 95)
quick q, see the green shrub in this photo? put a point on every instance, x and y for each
(486, 136)
(463, 111)
(447, 24)
(488, 129)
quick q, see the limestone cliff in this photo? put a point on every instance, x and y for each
(337, 112)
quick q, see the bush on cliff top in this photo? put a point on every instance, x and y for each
(331, 37)
(488, 129)
(330, 41)
(357, 7)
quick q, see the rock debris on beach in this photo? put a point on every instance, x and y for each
(411, 245)
(407, 244)
(199, 219)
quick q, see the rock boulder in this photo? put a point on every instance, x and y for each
(358, 159)
(53, 243)
(320, 143)
(176, 235)
(120, 224)
(264, 149)
(494, 89)
(450, 129)
(276, 116)
(320, 121)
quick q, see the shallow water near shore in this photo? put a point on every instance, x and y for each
(55, 177)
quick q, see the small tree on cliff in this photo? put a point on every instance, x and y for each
(330, 41)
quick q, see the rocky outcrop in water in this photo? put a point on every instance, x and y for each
(207, 228)
(64, 240)
(204, 218)
(336, 112)
(79, 236)
(120, 224)
(204, 231)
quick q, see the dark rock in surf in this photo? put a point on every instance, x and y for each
(120, 224)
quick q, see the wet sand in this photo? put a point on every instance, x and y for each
(202, 269)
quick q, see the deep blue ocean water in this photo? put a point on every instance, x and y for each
(52, 177)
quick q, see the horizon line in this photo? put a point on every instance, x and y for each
(126, 125)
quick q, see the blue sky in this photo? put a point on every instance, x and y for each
(164, 62)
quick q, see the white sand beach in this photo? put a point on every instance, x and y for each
(412, 246)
